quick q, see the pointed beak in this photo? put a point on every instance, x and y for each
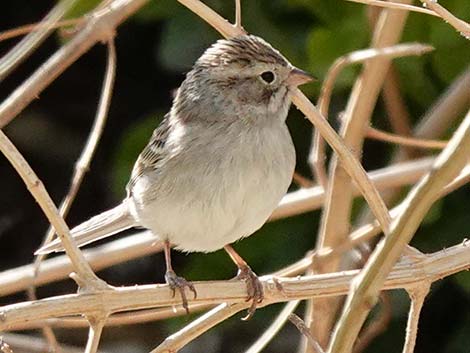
(298, 77)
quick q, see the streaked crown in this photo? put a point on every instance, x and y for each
(243, 50)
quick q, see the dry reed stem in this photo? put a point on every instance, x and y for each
(81, 167)
(30, 344)
(274, 328)
(85, 275)
(367, 284)
(450, 105)
(22, 30)
(225, 311)
(376, 327)
(27, 45)
(202, 324)
(417, 296)
(460, 26)
(57, 268)
(304, 330)
(94, 335)
(396, 6)
(100, 27)
(335, 221)
(405, 274)
(397, 112)
(317, 153)
(130, 318)
(83, 163)
(454, 101)
(384, 136)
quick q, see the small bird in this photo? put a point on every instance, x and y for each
(217, 165)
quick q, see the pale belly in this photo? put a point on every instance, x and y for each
(209, 205)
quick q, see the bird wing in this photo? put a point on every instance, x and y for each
(152, 154)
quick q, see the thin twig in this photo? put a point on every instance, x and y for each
(380, 135)
(99, 27)
(336, 215)
(405, 274)
(28, 44)
(22, 30)
(376, 327)
(238, 14)
(302, 181)
(417, 296)
(317, 153)
(460, 26)
(83, 163)
(82, 269)
(30, 344)
(81, 168)
(366, 286)
(300, 324)
(394, 102)
(396, 6)
(94, 335)
(274, 328)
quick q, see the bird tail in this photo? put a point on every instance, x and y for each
(98, 227)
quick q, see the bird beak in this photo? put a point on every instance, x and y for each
(298, 77)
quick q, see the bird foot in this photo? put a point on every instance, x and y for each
(179, 283)
(254, 289)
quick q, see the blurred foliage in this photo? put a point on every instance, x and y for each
(312, 34)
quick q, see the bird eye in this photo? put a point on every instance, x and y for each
(268, 76)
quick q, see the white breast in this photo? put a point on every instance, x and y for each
(211, 195)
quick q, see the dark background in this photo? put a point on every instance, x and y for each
(154, 49)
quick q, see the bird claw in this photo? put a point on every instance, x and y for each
(175, 282)
(254, 289)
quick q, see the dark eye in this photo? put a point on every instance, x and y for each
(268, 76)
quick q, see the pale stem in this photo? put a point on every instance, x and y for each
(405, 274)
(366, 286)
(376, 327)
(336, 215)
(417, 296)
(460, 26)
(304, 330)
(98, 28)
(30, 344)
(376, 134)
(27, 45)
(238, 14)
(317, 153)
(39, 192)
(274, 328)
(81, 168)
(396, 6)
(21, 30)
(94, 335)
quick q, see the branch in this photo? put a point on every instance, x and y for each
(83, 270)
(317, 153)
(405, 274)
(417, 296)
(396, 6)
(460, 26)
(99, 28)
(27, 45)
(366, 286)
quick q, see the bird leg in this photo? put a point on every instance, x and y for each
(174, 281)
(253, 284)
